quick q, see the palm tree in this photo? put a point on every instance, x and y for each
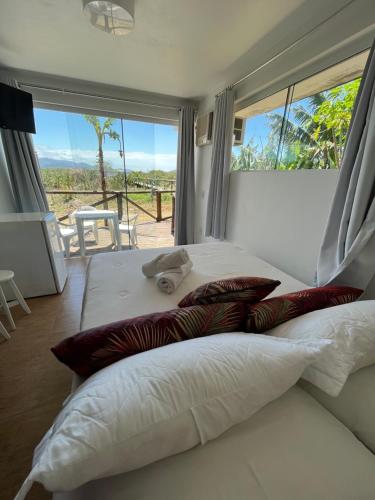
(103, 129)
(319, 127)
(316, 138)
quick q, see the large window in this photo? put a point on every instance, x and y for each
(304, 126)
(79, 154)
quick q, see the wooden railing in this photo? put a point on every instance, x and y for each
(120, 197)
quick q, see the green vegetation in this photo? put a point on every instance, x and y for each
(87, 179)
(314, 134)
(60, 179)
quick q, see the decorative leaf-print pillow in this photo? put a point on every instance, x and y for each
(242, 289)
(272, 312)
(91, 350)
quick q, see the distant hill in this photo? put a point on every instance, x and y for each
(55, 163)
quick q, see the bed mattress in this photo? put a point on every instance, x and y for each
(293, 449)
(116, 288)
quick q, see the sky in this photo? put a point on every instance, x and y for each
(148, 146)
(68, 136)
(257, 128)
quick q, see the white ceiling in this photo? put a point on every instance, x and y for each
(179, 47)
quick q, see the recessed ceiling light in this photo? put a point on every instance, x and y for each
(115, 17)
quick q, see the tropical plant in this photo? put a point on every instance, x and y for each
(316, 130)
(253, 157)
(103, 128)
(313, 133)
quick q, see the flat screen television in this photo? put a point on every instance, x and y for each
(16, 109)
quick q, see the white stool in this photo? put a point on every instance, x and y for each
(7, 277)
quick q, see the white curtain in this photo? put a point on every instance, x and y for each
(185, 183)
(347, 255)
(23, 168)
(220, 165)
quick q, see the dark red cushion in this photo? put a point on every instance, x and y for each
(241, 289)
(272, 312)
(91, 350)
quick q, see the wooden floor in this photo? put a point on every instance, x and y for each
(33, 382)
(150, 235)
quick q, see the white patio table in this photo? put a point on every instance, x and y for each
(110, 215)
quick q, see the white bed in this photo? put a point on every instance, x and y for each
(292, 449)
(116, 288)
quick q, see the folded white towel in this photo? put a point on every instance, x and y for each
(165, 261)
(171, 279)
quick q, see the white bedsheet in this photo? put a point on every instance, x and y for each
(293, 449)
(116, 288)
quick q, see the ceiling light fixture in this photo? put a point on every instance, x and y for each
(115, 17)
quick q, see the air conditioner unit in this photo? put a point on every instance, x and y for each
(238, 131)
(204, 129)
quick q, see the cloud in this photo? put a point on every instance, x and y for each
(135, 160)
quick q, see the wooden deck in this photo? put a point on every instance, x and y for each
(150, 235)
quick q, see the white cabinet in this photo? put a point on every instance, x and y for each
(30, 245)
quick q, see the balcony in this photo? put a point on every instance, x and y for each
(155, 222)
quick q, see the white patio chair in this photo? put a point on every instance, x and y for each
(130, 229)
(90, 225)
(67, 232)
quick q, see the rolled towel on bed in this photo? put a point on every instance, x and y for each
(165, 261)
(171, 279)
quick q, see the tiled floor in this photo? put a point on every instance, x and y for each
(33, 383)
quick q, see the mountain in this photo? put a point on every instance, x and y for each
(55, 163)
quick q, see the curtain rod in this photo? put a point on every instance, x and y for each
(282, 52)
(99, 96)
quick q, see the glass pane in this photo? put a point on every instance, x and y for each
(262, 134)
(307, 132)
(317, 127)
(151, 156)
(77, 153)
(83, 160)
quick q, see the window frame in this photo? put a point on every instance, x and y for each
(289, 100)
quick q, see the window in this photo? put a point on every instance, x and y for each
(304, 126)
(83, 159)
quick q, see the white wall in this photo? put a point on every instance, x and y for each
(281, 216)
(7, 203)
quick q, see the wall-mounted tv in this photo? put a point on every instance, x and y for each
(16, 109)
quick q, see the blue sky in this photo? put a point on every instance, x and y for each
(257, 128)
(68, 136)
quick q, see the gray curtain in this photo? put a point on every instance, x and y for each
(23, 167)
(22, 163)
(220, 165)
(347, 255)
(185, 184)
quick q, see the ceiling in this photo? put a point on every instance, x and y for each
(178, 47)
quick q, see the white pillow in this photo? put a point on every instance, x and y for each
(350, 326)
(162, 402)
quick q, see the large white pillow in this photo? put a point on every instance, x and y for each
(351, 327)
(162, 402)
